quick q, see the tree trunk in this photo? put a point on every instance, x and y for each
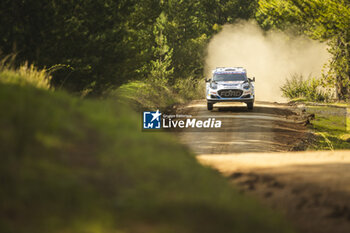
(342, 88)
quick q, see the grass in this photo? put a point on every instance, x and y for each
(25, 75)
(331, 124)
(73, 165)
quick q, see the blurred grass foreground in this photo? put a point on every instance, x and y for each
(74, 165)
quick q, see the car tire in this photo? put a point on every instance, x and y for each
(209, 106)
(250, 105)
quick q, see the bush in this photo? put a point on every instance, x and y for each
(310, 89)
(157, 94)
(190, 88)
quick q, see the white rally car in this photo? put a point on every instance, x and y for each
(230, 84)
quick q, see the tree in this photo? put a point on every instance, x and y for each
(99, 44)
(161, 67)
(90, 36)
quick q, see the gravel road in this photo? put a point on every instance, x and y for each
(268, 127)
(255, 150)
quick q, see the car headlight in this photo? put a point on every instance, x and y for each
(213, 85)
(246, 86)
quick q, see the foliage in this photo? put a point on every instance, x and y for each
(161, 69)
(310, 89)
(109, 43)
(87, 35)
(324, 20)
(72, 165)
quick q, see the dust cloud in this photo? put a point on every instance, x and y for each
(270, 57)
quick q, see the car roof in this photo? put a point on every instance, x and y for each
(223, 70)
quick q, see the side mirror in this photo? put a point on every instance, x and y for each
(208, 80)
(252, 79)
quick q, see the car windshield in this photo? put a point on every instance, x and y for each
(219, 77)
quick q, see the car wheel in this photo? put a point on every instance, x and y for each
(250, 105)
(209, 106)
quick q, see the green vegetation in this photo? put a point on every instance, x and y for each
(25, 75)
(103, 44)
(73, 165)
(331, 125)
(109, 43)
(297, 88)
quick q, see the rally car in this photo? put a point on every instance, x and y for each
(230, 84)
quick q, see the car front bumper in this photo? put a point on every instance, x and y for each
(246, 97)
(243, 100)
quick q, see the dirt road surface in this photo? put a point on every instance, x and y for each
(253, 150)
(268, 127)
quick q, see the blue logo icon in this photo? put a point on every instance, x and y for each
(151, 120)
